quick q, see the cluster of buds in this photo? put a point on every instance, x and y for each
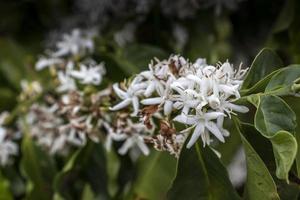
(68, 121)
(197, 95)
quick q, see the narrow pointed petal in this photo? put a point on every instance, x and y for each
(196, 134)
(220, 121)
(194, 78)
(185, 110)
(150, 89)
(238, 108)
(125, 147)
(119, 92)
(185, 119)
(121, 105)
(152, 101)
(143, 147)
(168, 106)
(213, 128)
(213, 115)
(136, 105)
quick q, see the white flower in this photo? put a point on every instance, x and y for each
(30, 89)
(153, 83)
(130, 96)
(8, 148)
(202, 122)
(89, 74)
(47, 62)
(75, 44)
(67, 83)
(164, 99)
(129, 132)
(132, 141)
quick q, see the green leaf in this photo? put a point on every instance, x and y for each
(86, 166)
(12, 65)
(87, 193)
(281, 83)
(294, 103)
(260, 85)
(264, 64)
(5, 192)
(38, 168)
(285, 150)
(155, 174)
(274, 119)
(260, 184)
(200, 175)
(231, 146)
(274, 115)
(113, 167)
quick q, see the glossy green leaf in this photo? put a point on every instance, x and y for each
(260, 184)
(200, 175)
(260, 85)
(274, 115)
(294, 103)
(285, 150)
(157, 166)
(264, 64)
(275, 120)
(282, 82)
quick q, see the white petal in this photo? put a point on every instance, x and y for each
(214, 102)
(185, 119)
(152, 101)
(185, 110)
(213, 128)
(220, 121)
(237, 108)
(143, 147)
(168, 106)
(150, 89)
(194, 78)
(119, 92)
(196, 134)
(2, 134)
(213, 115)
(160, 89)
(136, 105)
(125, 147)
(121, 105)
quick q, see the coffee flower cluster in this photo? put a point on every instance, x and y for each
(197, 95)
(161, 106)
(67, 117)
